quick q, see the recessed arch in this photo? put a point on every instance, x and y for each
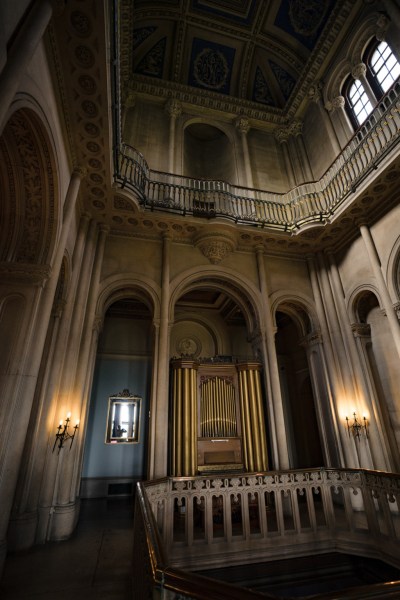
(30, 197)
(299, 308)
(243, 292)
(115, 288)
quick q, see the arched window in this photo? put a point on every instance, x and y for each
(383, 66)
(383, 69)
(359, 104)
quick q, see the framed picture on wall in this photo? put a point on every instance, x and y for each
(123, 418)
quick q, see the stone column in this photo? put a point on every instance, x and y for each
(159, 410)
(332, 377)
(379, 421)
(376, 460)
(243, 126)
(296, 130)
(315, 96)
(21, 52)
(359, 72)
(23, 529)
(69, 484)
(341, 362)
(274, 402)
(173, 109)
(380, 280)
(282, 135)
(340, 121)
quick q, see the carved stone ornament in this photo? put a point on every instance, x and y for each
(242, 124)
(397, 309)
(173, 108)
(336, 103)
(215, 246)
(361, 329)
(359, 71)
(282, 134)
(315, 92)
(296, 127)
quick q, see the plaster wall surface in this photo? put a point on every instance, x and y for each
(317, 139)
(147, 130)
(133, 257)
(267, 162)
(287, 274)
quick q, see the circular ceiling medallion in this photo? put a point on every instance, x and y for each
(96, 178)
(84, 56)
(133, 222)
(94, 163)
(211, 69)
(92, 129)
(89, 108)
(188, 346)
(80, 23)
(93, 147)
(98, 204)
(97, 192)
(87, 84)
(117, 219)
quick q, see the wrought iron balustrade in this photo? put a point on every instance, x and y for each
(308, 203)
(194, 523)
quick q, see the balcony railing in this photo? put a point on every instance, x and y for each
(186, 524)
(310, 203)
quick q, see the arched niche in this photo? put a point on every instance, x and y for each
(208, 153)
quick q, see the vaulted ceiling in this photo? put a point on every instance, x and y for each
(257, 51)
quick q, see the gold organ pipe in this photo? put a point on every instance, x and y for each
(212, 401)
(178, 418)
(174, 411)
(193, 433)
(254, 420)
(220, 407)
(233, 409)
(186, 423)
(264, 453)
(219, 415)
(247, 422)
(224, 408)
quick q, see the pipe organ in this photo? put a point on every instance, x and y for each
(217, 417)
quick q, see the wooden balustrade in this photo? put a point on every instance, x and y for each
(313, 202)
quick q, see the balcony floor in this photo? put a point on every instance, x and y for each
(94, 564)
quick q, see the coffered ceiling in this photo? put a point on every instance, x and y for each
(263, 53)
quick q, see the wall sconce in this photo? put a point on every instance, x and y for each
(63, 434)
(357, 427)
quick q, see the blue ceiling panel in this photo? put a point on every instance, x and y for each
(303, 19)
(211, 66)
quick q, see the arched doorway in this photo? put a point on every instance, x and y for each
(217, 411)
(304, 445)
(121, 382)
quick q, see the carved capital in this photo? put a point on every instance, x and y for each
(361, 330)
(282, 135)
(173, 108)
(242, 124)
(296, 127)
(336, 103)
(382, 26)
(315, 92)
(397, 309)
(129, 100)
(25, 273)
(359, 71)
(80, 172)
(311, 339)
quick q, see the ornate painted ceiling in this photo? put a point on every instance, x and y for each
(256, 51)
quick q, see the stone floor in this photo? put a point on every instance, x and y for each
(95, 564)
